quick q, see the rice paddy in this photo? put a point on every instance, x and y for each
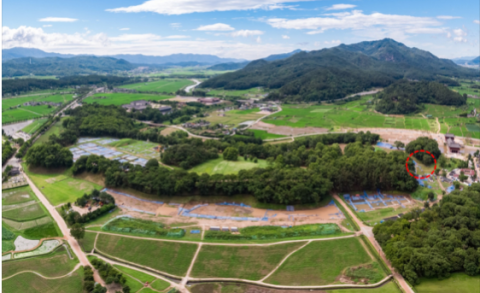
(162, 85)
(122, 98)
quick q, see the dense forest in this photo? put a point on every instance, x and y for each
(334, 73)
(63, 66)
(49, 155)
(427, 144)
(405, 97)
(439, 241)
(23, 85)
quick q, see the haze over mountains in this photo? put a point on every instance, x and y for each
(336, 72)
(240, 65)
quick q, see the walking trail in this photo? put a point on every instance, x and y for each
(42, 276)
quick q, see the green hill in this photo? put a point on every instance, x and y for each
(334, 73)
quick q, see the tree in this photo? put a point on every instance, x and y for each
(99, 289)
(431, 195)
(462, 176)
(152, 163)
(77, 231)
(126, 289)
(230, 154)
(456, 184)
(426, 204)
(399, 144)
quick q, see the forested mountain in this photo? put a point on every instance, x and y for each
(19, 52)
(404, 97)
(475, 61)
(281, 56)
(64, 66)
(240, 65)
(336, 72)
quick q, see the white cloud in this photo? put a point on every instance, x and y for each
(460, 35)
(175, 25)
(341, 7)
(246, 33)
(178, 37)
(333, 42)
(148, 44)
(125, 29)
(177, 7)
(357, 20)
(47, 25)
(285, 37)
(477, 21)
(215, 27)
(57, 19)
(447, 17)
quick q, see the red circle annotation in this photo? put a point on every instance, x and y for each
(426, 176)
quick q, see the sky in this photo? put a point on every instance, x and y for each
(244, 29)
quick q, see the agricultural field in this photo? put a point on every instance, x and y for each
(247, 262)
(187, 71)
(32, 283)
(157, 284)
(56, 129)
(321, 262)
(467, 127)
(233, 117)
(34, 126)
(30, 112)
(170, 257)
(161, 86)
(122, 98)
(375, 216)
(457, 282)
(465, 88)
(59, 187)
(250, 93)
(221, 166)
(263, 134)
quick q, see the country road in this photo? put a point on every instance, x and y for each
(367, 231)
(191, 87)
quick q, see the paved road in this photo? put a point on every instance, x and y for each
(63, 227)
(191, 87)
(367, 231)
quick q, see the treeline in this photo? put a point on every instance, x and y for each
(427, 144)
(23, 85)
(154, 115)
(188, 155)
(7, 151)
(49, 155)
(24, 148)
(73, 217)
(437, 242)
(110, 275)
(404, 97)
(360, 168)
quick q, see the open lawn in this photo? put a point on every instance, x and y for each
(29, 282)
(60, 187)
(457, 283)
(374, 217)
(88, 241)
(160, 285)
(162, 85)
(221, 166)
(233, 117)
(122, 98)
(169, 257)
(54, 264)
(31, 128)
(263, 134)
(245, 262)
(320, 262)
(136, 274)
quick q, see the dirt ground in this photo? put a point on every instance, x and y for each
(84, 210)
(183, 99)
(168, 131)
(286, 130)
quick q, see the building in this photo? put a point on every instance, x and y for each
(14, 171)
(165, 109)
(468, 172)
(209, 101)
(452, 145)
(137, 105)
(100, 90)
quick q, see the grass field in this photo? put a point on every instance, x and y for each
(54, 264)
(263, 134)
(465, 88)
(162, 85)
(29, 212)
(87, 242)
(60, 187)
(17, 195)
(136, 274)
(122, 98)
(233, 117)
(253, 92)
(320, 262)
(457, 283)
(246, 262)
(29, 282)
(169, 257)
(221, 166)
(374, 217)
(31, 128)
(56, 129)
(29, 112)
(160, 285)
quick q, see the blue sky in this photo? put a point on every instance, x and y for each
(247, 29)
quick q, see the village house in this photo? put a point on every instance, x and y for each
(452, 145)
(137, 105)
(209, 101)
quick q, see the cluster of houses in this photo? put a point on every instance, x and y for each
(455, 174)
(42, 103)
(114, 90)
(209, 101)
(142, 105)
(196, 125)
(269, 106)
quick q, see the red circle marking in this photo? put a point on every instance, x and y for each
(421, 177)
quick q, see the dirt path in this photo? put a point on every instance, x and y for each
(366, 249)
(63, 227)
(283, 260)
(367, 231)
(439, 125)
(42, 276)
(187, 276)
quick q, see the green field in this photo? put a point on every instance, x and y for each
(59, 187)
(233, 117)
(31, 128)
(374, 217)
(250, 93)
(162, 85)
(169, 257)
(160, 285)
(17, 195)
(465, 88)
(31, 283)
(157, 284)
(54, 264)
(88, 241)
(187, 72)
(221, 166)
(30, 112)
(457, 283)
(25, 213)
(320, 262)
(122, 98)
(56, 129)
(247, 262)
(263, 134)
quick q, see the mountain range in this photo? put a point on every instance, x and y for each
(240, 65)
(469, 60)
(334, 73)
(203, 59)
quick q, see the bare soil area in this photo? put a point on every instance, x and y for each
(286, 130)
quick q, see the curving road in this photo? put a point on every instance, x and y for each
(191, 87)
(40, 275)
